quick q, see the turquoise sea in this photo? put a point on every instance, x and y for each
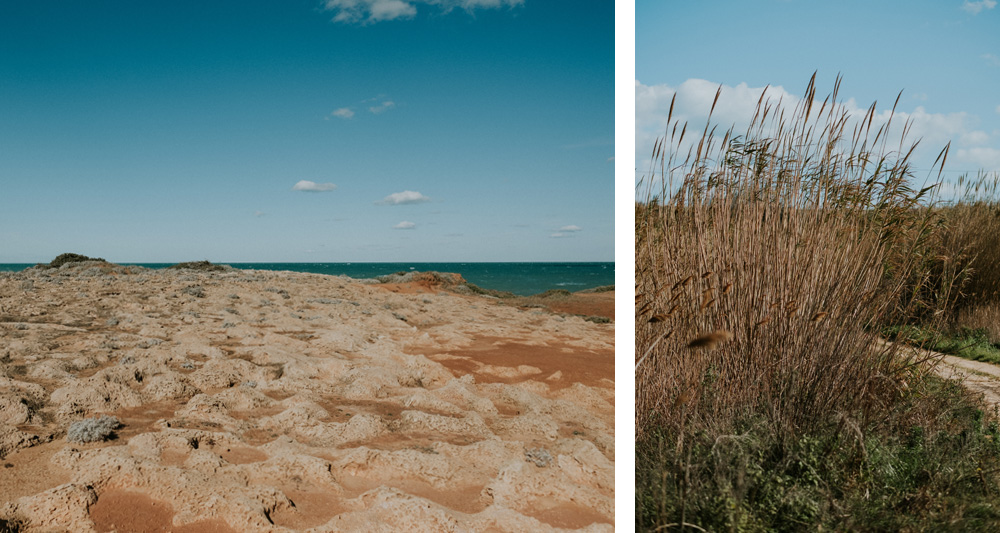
(518, 278)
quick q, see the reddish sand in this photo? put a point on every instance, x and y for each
(575, 365)
(119, 510)
(584, 303)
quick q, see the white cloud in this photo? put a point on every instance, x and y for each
(372, 11)
(405, 225)
(343, 112)
(974, 137)
(998, 109)
(384, 106)
(991, 59)
(570, 228)
(405, 197)
(736, 107)
(976, 7)
(259, 214)
(312, 186)
(557, 235)
(981, 157)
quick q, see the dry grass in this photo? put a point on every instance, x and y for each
(766, 264)
(984, 317)
(969, 242)
(796, 238)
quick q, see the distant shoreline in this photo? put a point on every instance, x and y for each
(520, 278)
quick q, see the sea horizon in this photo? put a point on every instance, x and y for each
(523, 278)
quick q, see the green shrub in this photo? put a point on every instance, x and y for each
(203, 266)
(63, 259)
(930, 465)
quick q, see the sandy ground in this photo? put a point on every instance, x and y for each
(580, 303)
(278, 401)
(977, 376)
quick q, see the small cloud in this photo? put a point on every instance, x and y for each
(344, 113)
(405, 197)
(976, 7)
(566, 232)
(383, 107)
(405, 225)
(612, 158)
(372, 11)
(259, 214)
(975, 137)
(998, 109)
(312, 186)
(991, 59)
(920, 96)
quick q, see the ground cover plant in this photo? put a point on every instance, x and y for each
(63, 259)
(94, 429)
(768, 263)
(203, 266)
(970, 343)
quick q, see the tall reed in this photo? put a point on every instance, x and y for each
(790, 244)
(969, 243)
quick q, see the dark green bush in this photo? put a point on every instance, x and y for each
(62, 259)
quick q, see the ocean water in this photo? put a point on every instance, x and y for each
(519, 278)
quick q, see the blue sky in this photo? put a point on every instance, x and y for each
(452, 130)
(943, 54)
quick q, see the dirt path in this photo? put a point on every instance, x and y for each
(975, 375)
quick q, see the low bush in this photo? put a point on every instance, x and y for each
(930, 465)
(203, 266)
(602, 288)
(194, 290)
(63, 259)
(554, 293)
(92, 429)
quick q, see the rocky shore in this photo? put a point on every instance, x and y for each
(216, 400)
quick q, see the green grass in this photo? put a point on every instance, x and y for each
(965, 342)
(939, 472)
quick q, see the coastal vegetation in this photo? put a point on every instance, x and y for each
(769, 263)
(201, 266)
(63, 259)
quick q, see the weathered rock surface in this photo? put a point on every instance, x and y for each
(279, 401)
